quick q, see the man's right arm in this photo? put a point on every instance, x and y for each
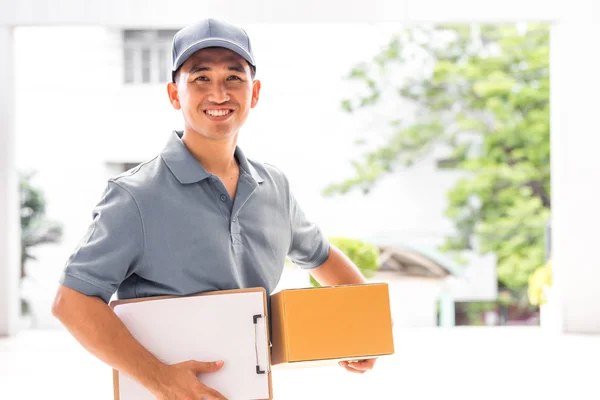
(98, 329)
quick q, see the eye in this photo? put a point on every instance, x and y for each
(234, 77)
(201, 78)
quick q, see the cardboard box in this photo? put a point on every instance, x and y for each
(329, 324)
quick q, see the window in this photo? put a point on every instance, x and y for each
(146, 56)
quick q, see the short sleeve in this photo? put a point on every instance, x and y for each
(309, 247)
(111, 249)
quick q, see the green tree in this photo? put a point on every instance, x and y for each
(480, 94)
(364, 255)
(36, 229)
(540, 281)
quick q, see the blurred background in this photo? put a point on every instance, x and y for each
(417, 136)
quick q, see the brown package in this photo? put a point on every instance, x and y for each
(328, 324)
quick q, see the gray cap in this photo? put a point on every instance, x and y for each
(210, 33)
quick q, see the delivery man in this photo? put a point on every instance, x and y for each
(198, 217)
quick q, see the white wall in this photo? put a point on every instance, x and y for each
(479, 282)
(575, 141)
(413, 301)
(9, 202)
(159, 12)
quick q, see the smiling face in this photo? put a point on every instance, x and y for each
(215, 91)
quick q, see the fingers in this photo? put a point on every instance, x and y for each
(206, 367)
(346, 365)
(203, 367)
(358, 366)
(362, 365)
(212, 394)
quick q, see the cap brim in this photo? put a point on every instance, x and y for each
(212, 42)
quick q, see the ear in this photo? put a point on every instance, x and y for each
(173, 92)
(255, 93)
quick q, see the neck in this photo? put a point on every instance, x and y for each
(216, 156)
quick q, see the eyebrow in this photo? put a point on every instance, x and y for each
(237, 67)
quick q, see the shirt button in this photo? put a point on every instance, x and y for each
(223, 197)
(234, 219)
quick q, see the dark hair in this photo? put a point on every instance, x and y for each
(175, 74)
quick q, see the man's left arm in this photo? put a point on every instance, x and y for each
(340, 270)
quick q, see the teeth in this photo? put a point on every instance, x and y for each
(217, 113)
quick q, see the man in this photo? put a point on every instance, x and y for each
(198, 217)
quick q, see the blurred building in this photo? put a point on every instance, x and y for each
(90, 101)
(108, 110)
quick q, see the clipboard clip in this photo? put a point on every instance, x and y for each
(255, 320)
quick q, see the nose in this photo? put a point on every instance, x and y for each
(218, 93)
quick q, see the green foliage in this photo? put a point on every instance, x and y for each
(36, 229)
(480, 93)
(539, 282)
(475, 309)
(363, 255)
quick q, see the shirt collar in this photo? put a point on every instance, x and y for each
(245, 166)
(187, 169)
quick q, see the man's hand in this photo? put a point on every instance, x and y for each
(359, 366)
(180, 382)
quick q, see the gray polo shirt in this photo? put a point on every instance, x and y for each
(168, 227)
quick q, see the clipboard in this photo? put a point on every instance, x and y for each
(228, 325)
